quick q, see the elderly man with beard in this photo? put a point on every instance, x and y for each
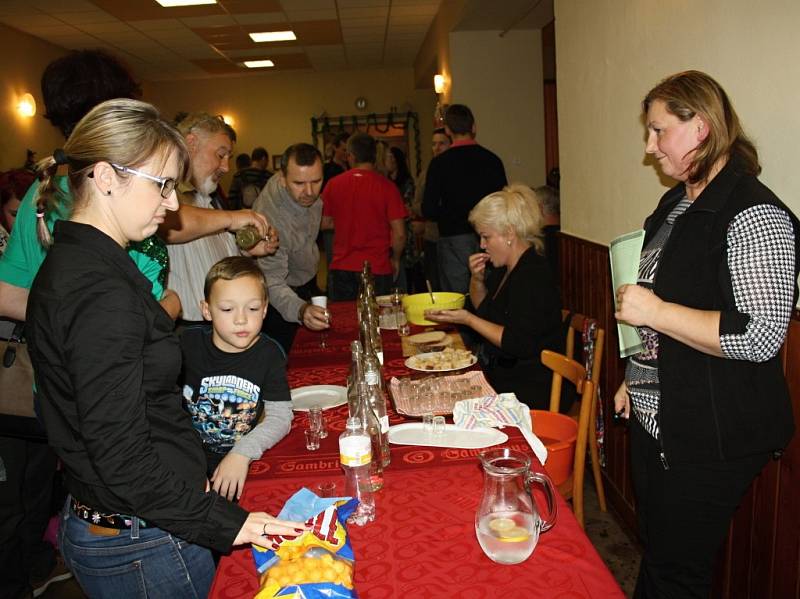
(290, 200)
(210, 147)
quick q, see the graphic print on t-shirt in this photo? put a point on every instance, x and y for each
(223, 409)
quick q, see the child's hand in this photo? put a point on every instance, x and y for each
(228, 478)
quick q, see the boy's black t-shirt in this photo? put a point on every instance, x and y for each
(224, 391)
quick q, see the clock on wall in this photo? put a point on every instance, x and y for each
(361, 103)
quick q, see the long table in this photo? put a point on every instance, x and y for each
(422, 542)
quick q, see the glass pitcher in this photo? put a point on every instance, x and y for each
(507, 522)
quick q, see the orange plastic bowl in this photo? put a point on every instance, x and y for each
(559, 433)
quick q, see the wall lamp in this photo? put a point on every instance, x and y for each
(26, 106)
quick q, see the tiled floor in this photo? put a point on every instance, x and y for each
(620, 553)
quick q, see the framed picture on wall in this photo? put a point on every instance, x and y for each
(276, 162)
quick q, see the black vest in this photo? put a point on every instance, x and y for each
(711, 408)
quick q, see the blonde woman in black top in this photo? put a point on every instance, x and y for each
(106, 363)
(516, 306)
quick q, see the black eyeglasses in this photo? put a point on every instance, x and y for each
(167, 183)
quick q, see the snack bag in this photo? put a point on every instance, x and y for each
(315, 565)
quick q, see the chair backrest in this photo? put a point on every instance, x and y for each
(567, 368)
(575, 328)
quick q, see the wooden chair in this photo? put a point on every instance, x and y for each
(575, 329)
(567, 368)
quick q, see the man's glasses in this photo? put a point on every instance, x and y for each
(167, 183)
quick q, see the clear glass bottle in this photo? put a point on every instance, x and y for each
(354, 377)
(380, 446)
(355, 454)
(372, 427)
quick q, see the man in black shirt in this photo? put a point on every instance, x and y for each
(456, 181)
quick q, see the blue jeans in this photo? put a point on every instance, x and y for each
(454, 252)
(153, 566)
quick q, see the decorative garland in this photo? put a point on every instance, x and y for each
(381, 123)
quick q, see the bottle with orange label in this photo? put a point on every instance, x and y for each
(355, 454)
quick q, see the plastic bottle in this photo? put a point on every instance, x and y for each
(355, 455)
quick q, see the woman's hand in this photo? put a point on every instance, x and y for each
(460, 316)
(228, 478)
(622, 401)
(477, 265)
(636, 305)
(260, 524)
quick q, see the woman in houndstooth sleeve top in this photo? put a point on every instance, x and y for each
(717, 284)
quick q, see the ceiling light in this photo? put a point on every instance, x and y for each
(173, 3)
(273, 36)
(258, 64)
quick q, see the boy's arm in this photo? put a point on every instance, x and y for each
(274, 427)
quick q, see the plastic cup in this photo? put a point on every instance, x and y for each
(320, 300)
(312, 439)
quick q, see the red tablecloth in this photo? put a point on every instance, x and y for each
(422, 542)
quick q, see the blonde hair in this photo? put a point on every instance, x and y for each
(691, 93)
(234, 267)
(515, 208)
(121, 131)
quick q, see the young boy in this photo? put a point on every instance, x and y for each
(232, 373)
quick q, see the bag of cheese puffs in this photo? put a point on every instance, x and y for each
(318, 564)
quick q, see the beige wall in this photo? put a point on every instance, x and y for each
(500, 79)
(24, 59)
(274, 110)
(434, 53)
(609, 53)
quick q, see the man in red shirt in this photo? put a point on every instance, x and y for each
(368, 214)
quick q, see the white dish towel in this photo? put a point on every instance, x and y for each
(500, 411)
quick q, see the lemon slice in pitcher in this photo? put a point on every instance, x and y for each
(501, 524)
(516, 534)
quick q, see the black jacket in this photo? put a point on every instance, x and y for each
(106, 364)
(714, 409)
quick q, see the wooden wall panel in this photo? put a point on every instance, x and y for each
(761, 557)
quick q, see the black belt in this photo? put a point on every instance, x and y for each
(99, 518)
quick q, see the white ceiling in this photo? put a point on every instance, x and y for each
(339, 34)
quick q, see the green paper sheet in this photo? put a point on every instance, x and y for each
(624, 253)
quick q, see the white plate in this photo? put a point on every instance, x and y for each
(413, 433)
(411, 361)
(324, 396)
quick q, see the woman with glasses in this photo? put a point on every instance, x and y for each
(139, 517)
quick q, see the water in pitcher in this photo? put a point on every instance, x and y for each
(508, 537)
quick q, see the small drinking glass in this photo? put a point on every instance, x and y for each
(316, 421)
(326, 488)
(427, 423)
(322, 302)
(438, 425)
(312, 439)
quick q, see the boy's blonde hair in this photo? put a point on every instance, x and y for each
(234, 267)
